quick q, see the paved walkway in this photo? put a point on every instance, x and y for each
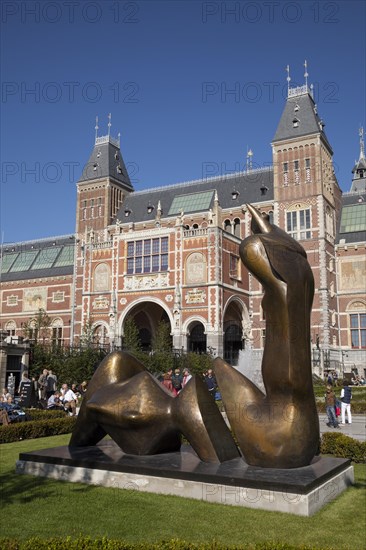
(357, 429)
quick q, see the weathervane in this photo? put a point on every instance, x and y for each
(306, 74)
(109, 124)
(362, 143)
(288, 79)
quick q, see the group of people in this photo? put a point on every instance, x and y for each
(175, 380)
(49, 396)
(64, 399)
(335, 408)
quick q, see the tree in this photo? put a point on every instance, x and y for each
(131, 337)
(38, 327)
(162, 340)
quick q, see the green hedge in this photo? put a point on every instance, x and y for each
(36, 428)
(44, 414)
(343, 446)
(86, 543)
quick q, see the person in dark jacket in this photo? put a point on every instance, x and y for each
(330, 403)
(211, 382)
(346, 396)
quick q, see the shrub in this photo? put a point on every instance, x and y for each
(36, 428)
(343, 446)
(44, 414)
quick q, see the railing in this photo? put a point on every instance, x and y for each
(106, 139)
(195, 232)
(299, 90)
(99, 246)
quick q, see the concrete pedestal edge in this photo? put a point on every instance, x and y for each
(262, 499)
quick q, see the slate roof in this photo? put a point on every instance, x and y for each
(303, 109)
(247, 184)
(106, 161)
(353, 201)
(50, 257)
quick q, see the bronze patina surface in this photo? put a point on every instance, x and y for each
(125, 401)
(278, 429)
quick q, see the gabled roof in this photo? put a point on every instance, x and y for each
(106, 161)
(51, 257)
(300, 118)
(252, 186)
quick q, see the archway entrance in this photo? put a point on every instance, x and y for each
(233, 332)
(197, 340)
(233, 343)
(147, 316)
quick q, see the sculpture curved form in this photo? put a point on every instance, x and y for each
(278, 429)
(125, 401)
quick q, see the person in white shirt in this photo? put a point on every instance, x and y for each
(69, 399)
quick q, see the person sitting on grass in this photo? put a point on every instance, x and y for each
(54, 402)
(69, 399)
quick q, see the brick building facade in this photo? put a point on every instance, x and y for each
(171, 253)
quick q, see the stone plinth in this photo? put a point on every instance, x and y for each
(301, 491)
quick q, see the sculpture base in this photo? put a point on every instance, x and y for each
(301, 491)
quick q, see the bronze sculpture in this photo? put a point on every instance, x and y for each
(125, 401)
(279, 429)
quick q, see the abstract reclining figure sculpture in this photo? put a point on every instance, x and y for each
(125, 401)
(278, 429)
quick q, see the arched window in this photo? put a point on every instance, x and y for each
(227, 226)
(57, 327)
(237, 227)
(10, 328)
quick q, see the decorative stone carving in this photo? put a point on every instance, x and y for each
(195, 296)
(145, 282)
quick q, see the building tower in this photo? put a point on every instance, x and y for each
(101, 190)
(308, 199)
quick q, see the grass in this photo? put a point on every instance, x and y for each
(36, 506)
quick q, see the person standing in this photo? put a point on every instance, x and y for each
(186, 377)
(42, 384)
(51, 384)
(330, 403)
(346, 396)
(211, 382)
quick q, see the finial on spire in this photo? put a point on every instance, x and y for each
(288, 78)
(109, 124)
(96, 127)
(362, 143)
(306, 74)
(249, 159)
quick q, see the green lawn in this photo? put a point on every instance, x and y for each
(39, 507)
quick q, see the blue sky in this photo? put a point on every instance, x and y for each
(190, 85)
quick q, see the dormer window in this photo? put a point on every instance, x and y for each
(119, 169)
(95, 166)
(99, 154)
(295, 123)
(116, 155)
(296, 108)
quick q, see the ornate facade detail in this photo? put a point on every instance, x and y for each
(146, 282)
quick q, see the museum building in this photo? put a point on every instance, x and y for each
(172, 253)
